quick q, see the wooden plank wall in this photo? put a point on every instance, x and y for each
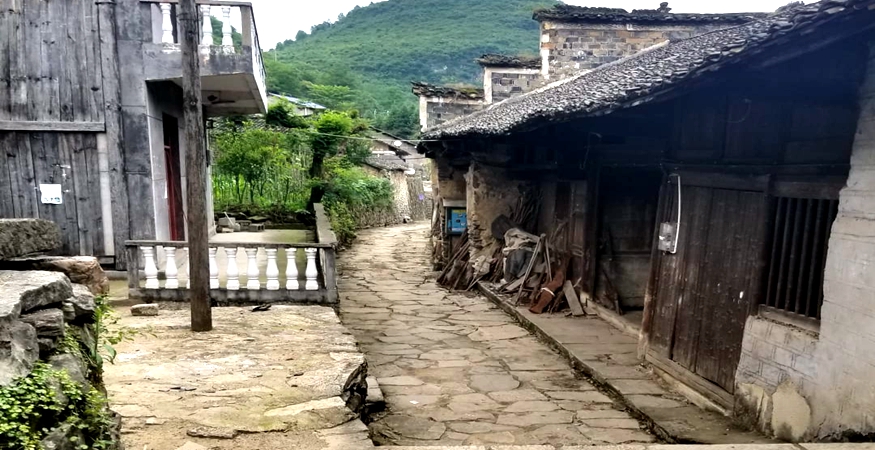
(50, 61)
(70, 159)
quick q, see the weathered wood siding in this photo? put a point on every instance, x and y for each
(50, 61)
(70, 159)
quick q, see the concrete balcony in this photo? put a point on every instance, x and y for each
(233, 78)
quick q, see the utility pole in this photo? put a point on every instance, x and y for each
(195, 168)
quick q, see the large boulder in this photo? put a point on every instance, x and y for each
(79, 308)
(22, 237)
(49, 323)
(84, 270)
(21, 292)
(18, 350)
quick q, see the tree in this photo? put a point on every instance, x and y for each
(334, 97)
(334, 133)
(248, 157)
(301, 35)
(401, 120)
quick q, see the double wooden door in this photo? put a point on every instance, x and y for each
(704, 293)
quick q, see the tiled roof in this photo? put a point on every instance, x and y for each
(386, 162)
(431, 90)
(525, 62)
(633, 80)
(570, 13)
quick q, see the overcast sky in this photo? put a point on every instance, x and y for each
(279, 20)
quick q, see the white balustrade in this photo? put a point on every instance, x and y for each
(252, 271)
(151, 269)
(214, 269)
(292, 269)
(233, 277)
(166, 24)
(175, 258)
(311, 272)
(207, 27)
(273, 271)
(226, 28)
(171, 270)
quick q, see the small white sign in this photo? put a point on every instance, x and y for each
(51, 194)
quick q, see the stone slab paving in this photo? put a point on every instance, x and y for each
(290, 377)
(456, 370)
(837, 446)
(610, 357)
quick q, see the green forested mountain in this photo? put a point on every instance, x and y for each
(367, 58)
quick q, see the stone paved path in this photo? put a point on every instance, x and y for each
(453, 368)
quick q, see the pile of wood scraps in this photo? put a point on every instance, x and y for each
(457, 272)
(543, 286)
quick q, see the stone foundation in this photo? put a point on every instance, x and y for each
(47, 333)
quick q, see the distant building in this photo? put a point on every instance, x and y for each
(302, 107)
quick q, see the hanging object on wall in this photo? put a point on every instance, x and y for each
(51, 194)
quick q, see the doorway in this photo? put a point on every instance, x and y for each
(175, 210)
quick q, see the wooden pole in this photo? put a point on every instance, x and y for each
(195, 169)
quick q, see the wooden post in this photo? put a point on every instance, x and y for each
(195, 169)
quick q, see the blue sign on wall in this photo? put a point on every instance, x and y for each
(457, 220)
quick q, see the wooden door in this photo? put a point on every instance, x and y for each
(705, 292)
(175, 209)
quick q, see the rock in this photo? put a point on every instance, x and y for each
(46, 345)
(409, 427)
(74, 367)
(18, 351)
(191, 446)
(212, 433)
(315, 414)
(49, 323)
(83, 270)
(144, 310)
(80, 307)
(26, 291)
(60, 438)
(22, 237)
(494, 383)
(498, 333)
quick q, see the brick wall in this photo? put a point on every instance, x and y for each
(774, 356)
(846, 353)
(502, 84)
(435, 111)
(570, 47)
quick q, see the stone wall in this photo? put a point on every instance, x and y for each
(799, 385)
(503, 83)
(567, 48)
(47, 333)
(490, 193)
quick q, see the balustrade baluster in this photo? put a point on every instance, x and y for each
(170, 269)
(207, 37)
(311, 272)
(252, 271)
(166, 24)
(214, 269)
(188, 266)
(233, 277)
(226, 28)
(292, 269)
(150, 268)
(273, 271)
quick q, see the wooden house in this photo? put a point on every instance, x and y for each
(717, 190)
(91, 109)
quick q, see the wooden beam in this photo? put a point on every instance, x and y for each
(195, 169)
(73, 127)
